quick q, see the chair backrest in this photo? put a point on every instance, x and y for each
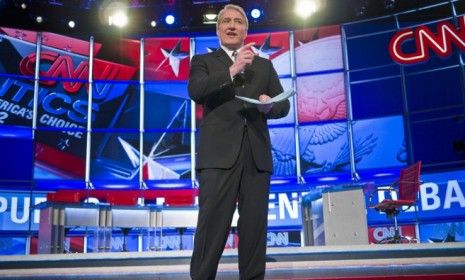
(409, 182)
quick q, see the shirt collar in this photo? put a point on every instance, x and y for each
(228, 52)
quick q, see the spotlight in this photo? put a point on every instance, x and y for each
(210, 15)
(119, 19)
(170, 19)
(23, 6)
(71, 24)
(114, 12)
(39, 19)
(209, 18)
(305, 8)
(255, 13)
(153, 23)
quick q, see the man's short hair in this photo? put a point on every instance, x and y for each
(232, 7)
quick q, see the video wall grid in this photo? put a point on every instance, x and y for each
(427, 94)
(349, 91)
(135, 92)
(356, 110)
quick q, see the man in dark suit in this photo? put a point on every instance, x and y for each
(234, 149)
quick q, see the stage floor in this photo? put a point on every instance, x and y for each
(390, 261)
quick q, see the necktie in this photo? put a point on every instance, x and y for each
(239, 79)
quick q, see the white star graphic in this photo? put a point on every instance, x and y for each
(265, 50)
(63, 144)
(174, 57)
(209, 49)
(168, 141)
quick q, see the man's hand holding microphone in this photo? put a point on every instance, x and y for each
(244, 56)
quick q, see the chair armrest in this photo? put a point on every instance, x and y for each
(384, 189)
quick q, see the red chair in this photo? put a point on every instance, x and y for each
(406, 187)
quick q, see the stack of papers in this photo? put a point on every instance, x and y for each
(280, 97)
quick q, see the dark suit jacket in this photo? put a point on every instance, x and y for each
(225, 116)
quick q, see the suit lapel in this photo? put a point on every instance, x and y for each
(249, 73)
(249, 76)
(221, 55)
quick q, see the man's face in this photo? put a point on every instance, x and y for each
(232, 29)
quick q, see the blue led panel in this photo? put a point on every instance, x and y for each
(374, 26)
(425, 92)
(324, 148)
(115, 156)
(439, 142)
(377, 98)
(206, 44)
(379, 143)
(283, 151)
(115, 105)
(16, 148)
(16, 101)
(167, 105)
(369, 51)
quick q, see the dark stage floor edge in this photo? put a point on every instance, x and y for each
(391, 261)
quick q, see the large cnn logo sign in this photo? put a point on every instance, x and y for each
(425, 40)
